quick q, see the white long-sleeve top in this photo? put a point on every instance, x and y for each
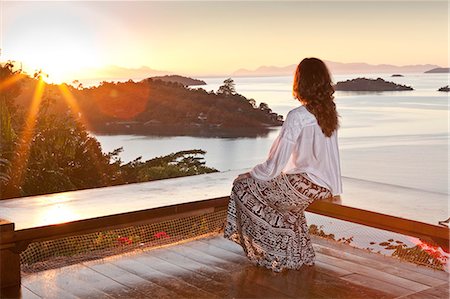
(301, 146)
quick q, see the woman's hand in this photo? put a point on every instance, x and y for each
(241, 177)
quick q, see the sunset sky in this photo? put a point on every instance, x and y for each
(212, 38)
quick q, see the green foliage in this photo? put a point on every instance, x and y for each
(10, 117)
(63, 156)
(178, 164)
(60, 154)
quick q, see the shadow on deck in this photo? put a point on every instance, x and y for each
(214, 267)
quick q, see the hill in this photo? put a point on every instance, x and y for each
(336, 68)
(439, 70)
(186, 81)
(364, 84)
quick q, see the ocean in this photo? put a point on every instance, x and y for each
(397, 138)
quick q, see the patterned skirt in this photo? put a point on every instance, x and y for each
(267, 219)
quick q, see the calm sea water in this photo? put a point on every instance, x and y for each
(398, 138)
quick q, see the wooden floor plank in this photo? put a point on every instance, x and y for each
(190, 276)
(253, 275)
(84, 280)
(216, 267)
(331, 269)
(217, 251)
(182, 288)
(306, 282)
(217, 274)
(144, 287)
(47, 284)
(238, 272)
(189, 262)
(233, 247)
(324, 285)
(225, 244)
(371, 282)
(437, 274)
(207, 259)
(438, 292)
(382, 266)
(371, 272)
(378, 264)
(28, 294)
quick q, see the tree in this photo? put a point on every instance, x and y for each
(252, 102)
(264, 107)
(228, 88)
(9, 117)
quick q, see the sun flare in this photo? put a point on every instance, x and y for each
(61, 62)
(59, 43)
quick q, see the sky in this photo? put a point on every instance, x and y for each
(201, 38)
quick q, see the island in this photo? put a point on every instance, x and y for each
(154, 107)
(445, 88)
(397, 75)
(186, 81)
(438, 70)
(364, 84)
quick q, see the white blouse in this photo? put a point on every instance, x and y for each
(301, 146)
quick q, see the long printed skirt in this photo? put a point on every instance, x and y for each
(267, 219)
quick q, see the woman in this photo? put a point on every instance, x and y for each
(266, 211)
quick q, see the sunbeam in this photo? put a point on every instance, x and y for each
(73, 104)
(10, 81)
(20, 162)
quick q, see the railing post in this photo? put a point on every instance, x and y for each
(9, 258)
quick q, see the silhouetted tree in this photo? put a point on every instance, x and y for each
(264, 107)
(228, 87)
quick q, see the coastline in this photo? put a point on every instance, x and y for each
(187, 131)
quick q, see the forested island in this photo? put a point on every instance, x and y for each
(364, 84)
(164, 108)
(186, 81)
(445, 88)
(397, 75)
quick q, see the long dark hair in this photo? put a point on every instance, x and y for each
(313, 88)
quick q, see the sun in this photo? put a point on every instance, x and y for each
(61, 61)
(61, 43)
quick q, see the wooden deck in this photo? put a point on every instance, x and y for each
(214, 267)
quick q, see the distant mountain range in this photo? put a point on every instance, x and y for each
(337, 68)
(114, 73)
(118, 73)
